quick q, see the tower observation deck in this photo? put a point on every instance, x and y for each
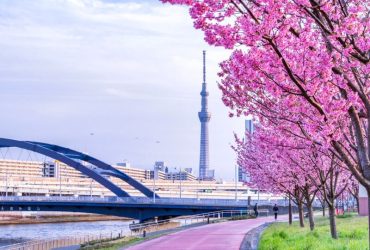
(204, 117)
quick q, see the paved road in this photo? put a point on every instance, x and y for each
(218, 236)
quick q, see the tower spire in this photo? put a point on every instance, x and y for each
(204, 66)
(204, 117)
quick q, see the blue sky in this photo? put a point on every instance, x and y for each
(129, 72)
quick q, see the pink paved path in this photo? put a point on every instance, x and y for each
(218, 236)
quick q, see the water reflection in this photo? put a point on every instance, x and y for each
(11, 234)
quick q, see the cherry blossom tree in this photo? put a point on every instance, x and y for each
(308, 59)
(286, 164)
(279, 166)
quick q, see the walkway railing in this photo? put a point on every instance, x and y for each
(139, 231)
(191, 219)
(61, 242)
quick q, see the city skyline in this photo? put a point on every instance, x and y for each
(117, 79)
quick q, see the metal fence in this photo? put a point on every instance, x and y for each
(61, 242)
(140, 230)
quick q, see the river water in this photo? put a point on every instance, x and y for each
(11, 234)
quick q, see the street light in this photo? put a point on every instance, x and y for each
(6, 180)
(180, 182)
(60, 178)
(236, 184)
(154, 184)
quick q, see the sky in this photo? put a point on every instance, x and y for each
(119, 80)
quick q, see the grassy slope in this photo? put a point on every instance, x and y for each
(352, 232)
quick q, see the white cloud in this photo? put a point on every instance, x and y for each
(118, 68)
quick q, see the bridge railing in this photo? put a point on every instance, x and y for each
(137, 200)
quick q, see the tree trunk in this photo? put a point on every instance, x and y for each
(310, 216)
(368, 211)
(290, 211)
(301, 216)
(333, 224)
(357, 203)
(323, 209)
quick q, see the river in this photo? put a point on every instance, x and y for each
(11, 234)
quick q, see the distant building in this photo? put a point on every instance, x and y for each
(189, 170)
(125, 164)
(181, 175)
(49, 169)
(160, 165)
(159, 172)
(249, 126)
(243, 176)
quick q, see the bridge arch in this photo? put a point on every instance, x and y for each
(69, 157)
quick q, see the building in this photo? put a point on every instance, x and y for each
(49, 169)
(249, 126)
(27, 178)
(204, 117)
(180, 175)
(243, 176)
(31, 169)
(136, 173)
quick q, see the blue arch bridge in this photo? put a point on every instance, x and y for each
(141, 208)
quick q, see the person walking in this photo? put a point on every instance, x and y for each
(255, 209)
(276, 211)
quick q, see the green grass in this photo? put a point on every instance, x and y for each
(352, 235)
(110, 244)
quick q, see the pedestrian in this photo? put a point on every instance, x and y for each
(255, 210)
(276, 211)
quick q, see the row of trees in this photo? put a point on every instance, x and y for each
(301, 68)
(301, 170)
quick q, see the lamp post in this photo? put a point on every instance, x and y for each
(236, 184)
(60, 179)
(6, 185)
(180, 183)
(180, 179)
(91, 182)
(154, 184)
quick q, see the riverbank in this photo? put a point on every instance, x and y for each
(16, 218)
(352, 234)
(11, 234)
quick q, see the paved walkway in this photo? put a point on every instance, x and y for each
(217, 236)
